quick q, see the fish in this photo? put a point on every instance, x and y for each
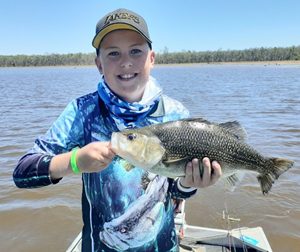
(165, 148)
(140, 223)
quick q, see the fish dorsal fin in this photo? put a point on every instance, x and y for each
(235, 129)
(196, 119)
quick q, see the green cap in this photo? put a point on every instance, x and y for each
(120, 19)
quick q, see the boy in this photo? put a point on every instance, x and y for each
(122, 210)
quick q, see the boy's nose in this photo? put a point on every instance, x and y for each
(126, 62)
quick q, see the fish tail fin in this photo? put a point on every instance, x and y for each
(276, 166)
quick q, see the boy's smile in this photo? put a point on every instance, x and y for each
(125, 60)
(127, 76)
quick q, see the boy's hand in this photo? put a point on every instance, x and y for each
(211, 173)
(94, 157)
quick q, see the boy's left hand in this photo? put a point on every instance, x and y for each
(211, 173)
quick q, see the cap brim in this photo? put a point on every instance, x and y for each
(117, 26)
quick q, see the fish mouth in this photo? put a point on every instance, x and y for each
(114, 142)
(127, 77)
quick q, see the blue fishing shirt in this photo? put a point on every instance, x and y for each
(121, 210)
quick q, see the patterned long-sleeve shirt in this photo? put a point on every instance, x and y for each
(122, 210)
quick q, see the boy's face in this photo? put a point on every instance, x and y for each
(125, 60)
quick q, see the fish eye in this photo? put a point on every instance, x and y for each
(123, 230)
(131, 137)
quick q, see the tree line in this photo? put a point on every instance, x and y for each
(71, 59)
(256, 54)
(75, 59)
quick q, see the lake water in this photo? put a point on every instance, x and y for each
(264, 98)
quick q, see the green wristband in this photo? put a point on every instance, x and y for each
(74, 166)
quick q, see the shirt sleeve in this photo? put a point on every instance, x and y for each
(33, 171)
(66, 133)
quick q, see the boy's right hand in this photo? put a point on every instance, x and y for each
(94, 157)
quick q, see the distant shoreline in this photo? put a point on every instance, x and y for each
(277, 62)
(266, 56)
(265, 63)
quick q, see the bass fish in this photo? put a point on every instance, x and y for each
(165, 148)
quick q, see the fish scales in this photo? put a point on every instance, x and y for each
(206, 143)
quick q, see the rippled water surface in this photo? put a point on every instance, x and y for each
(264, 98)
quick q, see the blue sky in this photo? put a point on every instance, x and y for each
(65, 26)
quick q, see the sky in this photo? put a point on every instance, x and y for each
(64, 26)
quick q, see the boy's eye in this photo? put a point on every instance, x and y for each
(113, 53)
(135, 51)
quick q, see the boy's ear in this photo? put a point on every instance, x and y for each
(152, 57)
(98, 64)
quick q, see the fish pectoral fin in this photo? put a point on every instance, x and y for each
(235, 129)
(126, 165)
(174, 160)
